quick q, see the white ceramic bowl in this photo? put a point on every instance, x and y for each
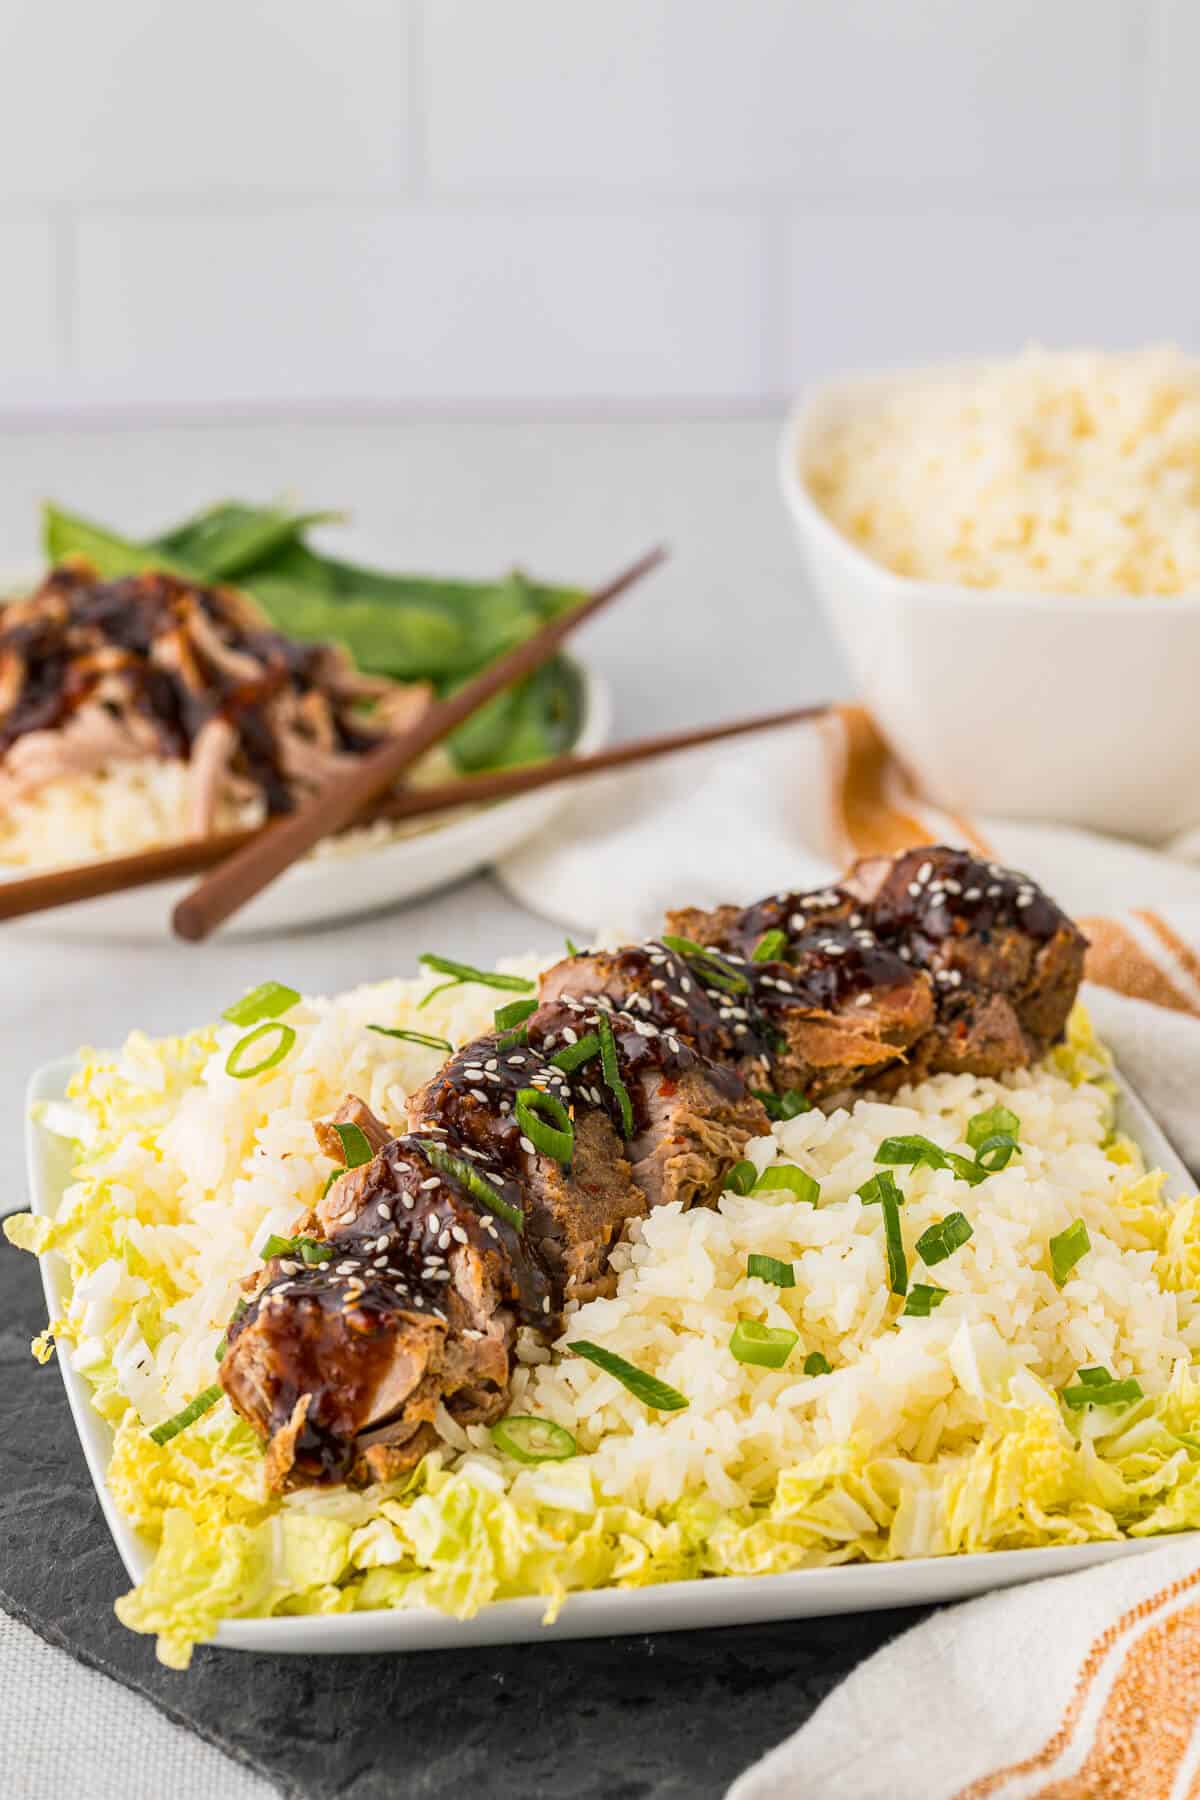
(1039, 706)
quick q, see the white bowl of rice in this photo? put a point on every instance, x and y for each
(1010, 555)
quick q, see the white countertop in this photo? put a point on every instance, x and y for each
(725, 629)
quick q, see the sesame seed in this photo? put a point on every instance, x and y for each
(434, 1181)
(385, 1211)
(527, 1146)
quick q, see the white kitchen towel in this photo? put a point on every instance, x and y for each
(1086, 1687)
(792, 808)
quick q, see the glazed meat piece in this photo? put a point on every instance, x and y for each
(689, 1118)
(833, 1005)
(573, 1213)
(1005, 961)
(343, 1363)
(660, 989)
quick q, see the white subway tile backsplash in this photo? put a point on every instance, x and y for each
(30, 360)
(837, 96)
(871, 292)
(1174, 121)
(355, 304)
(242, 97)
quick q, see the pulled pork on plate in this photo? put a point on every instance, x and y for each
(635, 1080)
(101, 676)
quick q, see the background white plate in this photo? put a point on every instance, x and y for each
(674, 1606)
(336, 887)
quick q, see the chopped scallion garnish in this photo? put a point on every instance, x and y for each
(922, 1300)
(997, 1151)
(515, 1013)
(1102, 1393)
(546, 1123)
(872, 1191)
(788, 1105)
(943, 1238)
(767, 1345)
(446, 1163)
(356, 1145)
(572, 946)
(612, 1075)
(796, 1181)
(530, 1440)
(195, 1409)
(997, 1119)
(573, 1056)
(310, 1250)
(711, 967)
(646, 1388)
(463, 973)
(770, 947)
(266, 1001)
(414, 1037)
(740, 1179)
(915, 1150)
(894, 1241)
(285, 1037)
(1096, 1375)
(817, 1364)
(769, 1268)
(1067, 1248)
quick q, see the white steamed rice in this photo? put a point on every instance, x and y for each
(184, 1171)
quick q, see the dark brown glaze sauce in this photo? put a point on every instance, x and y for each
(85, 629)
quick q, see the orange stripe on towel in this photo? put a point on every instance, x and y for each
(1116, 960)
(1176, 946)
(1061, 1739)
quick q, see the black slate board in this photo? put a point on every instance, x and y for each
(650, 1718)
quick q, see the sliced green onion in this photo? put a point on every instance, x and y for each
(646, 1388)
(414, 1037)
(787, 1105)
(546, 1123)
(911, 1152)
(515, 1013)
(943, 1238)
(708, 964)
(767, 1345)
(817, 1364)
(239, 1312)
(466, 972)
(769, 1268)
(573, 1056)
(509, 1040)
(894, 1240)
(993, 1122)
(356, 1145)
(1102, 1393)
(612, 1074)
(770, 947)
(286, 1038)
(530, 1440)
(309, 1249)
(1095, 1376)
(572, 946)
(333, 1175)
(266, 1001)
(922, 1300)
(872, 1191)
(195, 1409)
(914, 1151)
(997, 1151)
(476, 1185)
(1067, 1248)
(805, 1187)
(740, 1179)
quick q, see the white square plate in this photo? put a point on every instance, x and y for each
(608, 1612)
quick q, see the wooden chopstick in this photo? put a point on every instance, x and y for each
(249, 870)
(90, 881)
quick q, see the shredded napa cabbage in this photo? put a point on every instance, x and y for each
(460, 1533)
